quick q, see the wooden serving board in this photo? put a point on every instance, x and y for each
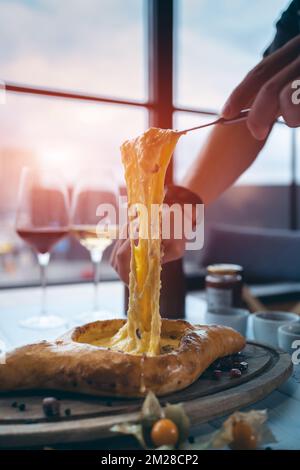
(91, 418)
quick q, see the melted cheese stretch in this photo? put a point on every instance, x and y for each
(145, 160)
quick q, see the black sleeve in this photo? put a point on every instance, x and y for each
(286, 28)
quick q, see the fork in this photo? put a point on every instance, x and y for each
(242, 116)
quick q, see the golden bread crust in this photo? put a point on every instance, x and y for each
(72, 364)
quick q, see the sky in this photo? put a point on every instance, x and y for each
(99, 46)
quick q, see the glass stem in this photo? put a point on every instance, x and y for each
(96, 257)
(43, 259)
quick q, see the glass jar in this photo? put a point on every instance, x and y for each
(223, 284)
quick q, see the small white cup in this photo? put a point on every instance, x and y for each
(266, 324)
(289, 338)
(236, 318)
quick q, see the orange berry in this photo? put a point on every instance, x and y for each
(244, 437)
(164, 433)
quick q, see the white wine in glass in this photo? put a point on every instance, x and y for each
(94, 224)
(42, 220)
(95, 238)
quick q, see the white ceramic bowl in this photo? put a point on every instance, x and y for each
(289, 339)
(236, 318)
(266, 324)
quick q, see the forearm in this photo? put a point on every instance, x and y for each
(227, 153)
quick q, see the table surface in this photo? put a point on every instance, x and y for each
(283, 404)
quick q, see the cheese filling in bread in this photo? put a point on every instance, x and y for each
(145, 160)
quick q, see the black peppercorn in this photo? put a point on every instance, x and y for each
(51, 407)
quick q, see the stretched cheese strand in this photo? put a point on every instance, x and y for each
(145, 160)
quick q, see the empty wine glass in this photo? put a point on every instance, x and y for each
(42, 220)
(94, 224)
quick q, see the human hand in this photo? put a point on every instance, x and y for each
(172, 249)
(271, 89)
(174, 240)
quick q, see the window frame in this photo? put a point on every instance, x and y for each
(160, 103)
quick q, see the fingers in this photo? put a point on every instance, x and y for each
(120, 256)
(289, 103)
(266, 105)
(264, 111)
(120, 259)
(245, 92)
(121, 253)
(172, 250)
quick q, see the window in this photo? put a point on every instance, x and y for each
(85, 45)
(273, 167)
(194, 52)
(215, 46)
(70, 135)
(90, 47)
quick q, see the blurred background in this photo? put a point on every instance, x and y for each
(167, 63)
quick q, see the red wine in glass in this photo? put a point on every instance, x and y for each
(42, 220)
(42, 239)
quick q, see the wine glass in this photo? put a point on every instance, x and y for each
(94, 224)
(42, 220)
